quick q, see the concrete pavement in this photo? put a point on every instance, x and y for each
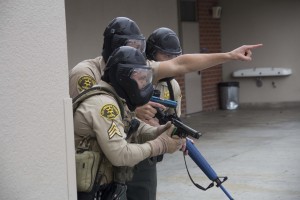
(258, 149)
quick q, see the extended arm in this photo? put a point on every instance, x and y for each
(197, 62)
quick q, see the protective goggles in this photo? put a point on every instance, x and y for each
(141, 74)
(136, 43)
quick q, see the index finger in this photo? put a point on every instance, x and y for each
(253, 46)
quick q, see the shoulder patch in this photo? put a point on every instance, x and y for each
(109, 111)
(85, 82)
(113, 130)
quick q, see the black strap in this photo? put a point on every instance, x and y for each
(134, 125)
(171, 91)
(196, 184)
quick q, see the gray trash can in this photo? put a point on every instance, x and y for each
(229, 95)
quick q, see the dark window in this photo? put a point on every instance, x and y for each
(188, 10)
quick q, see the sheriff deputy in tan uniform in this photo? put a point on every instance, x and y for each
(163, 44)
(121, 31)
(129, 81)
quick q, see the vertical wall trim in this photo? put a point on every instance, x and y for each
(70, 149)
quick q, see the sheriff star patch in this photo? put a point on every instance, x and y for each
(167, 94)
(109, 111)
(113, 130)
(85, 82)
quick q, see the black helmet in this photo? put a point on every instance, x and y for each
(122, 31)
(126, 70)
(164, 40)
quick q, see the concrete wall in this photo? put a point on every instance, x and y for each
(87, 20)
(276, 25)
(36, 158)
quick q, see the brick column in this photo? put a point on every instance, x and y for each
(210, 42)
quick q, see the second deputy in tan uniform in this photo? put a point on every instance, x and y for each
(129, 80)
(162, 44)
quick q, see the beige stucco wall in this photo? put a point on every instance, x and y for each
(35, 155)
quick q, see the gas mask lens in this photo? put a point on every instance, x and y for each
(138, 44)
(143, 77)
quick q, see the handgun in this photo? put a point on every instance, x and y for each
(165, 102)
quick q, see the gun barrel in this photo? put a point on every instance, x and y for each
(165, 102)
(197, 157)
(226, 192)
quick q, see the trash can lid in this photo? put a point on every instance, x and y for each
(228, 84)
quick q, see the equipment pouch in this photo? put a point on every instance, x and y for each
(87, 165)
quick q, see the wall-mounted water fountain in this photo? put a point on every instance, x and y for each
(258, 73)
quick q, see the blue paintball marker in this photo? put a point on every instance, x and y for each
(165, 102)
(183, 131)
(163, 118)
(196, 156)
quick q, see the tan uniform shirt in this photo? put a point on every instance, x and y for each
(88, 73)
(85, 74)
(163, 88)
(99, 116)
(165, 94)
